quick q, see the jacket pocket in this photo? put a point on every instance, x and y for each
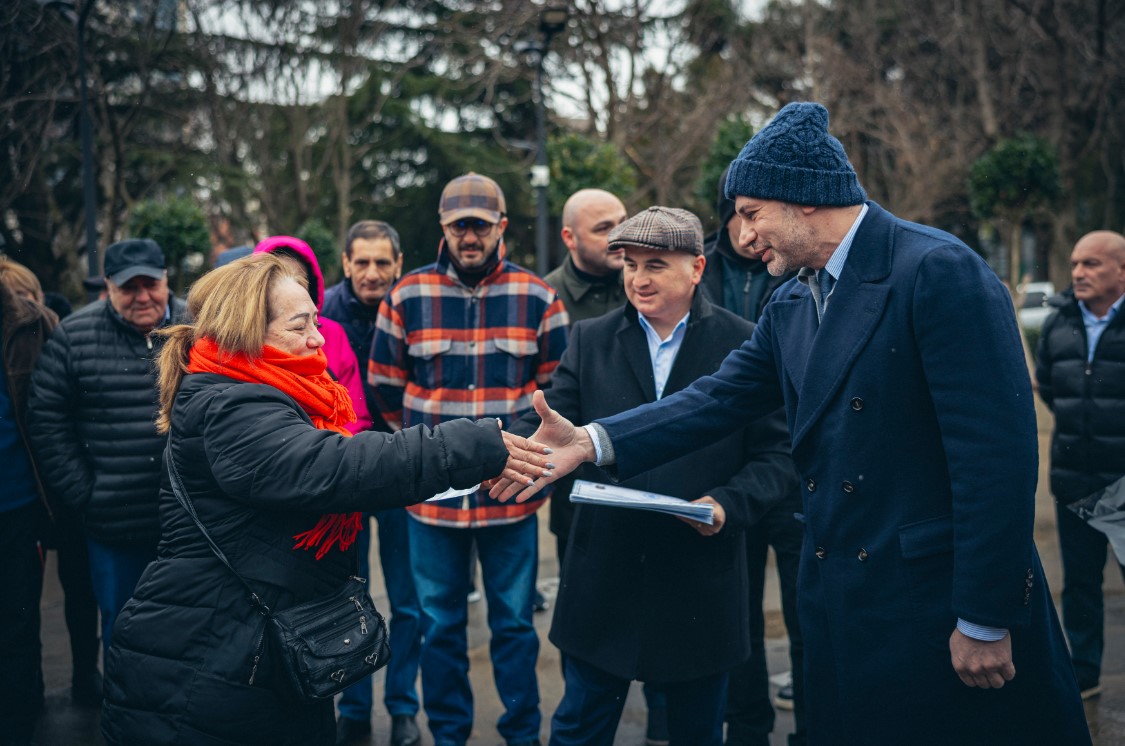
(927, 548)
(429, 361)
(926, 538)
(515, 361)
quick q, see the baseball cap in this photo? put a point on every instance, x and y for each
(472, 196)
(126, 259)
(666, 228)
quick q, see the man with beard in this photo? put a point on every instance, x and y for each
(924, 609)
(471, 335)
(589, 279)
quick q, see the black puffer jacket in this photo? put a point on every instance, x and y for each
(258, 473)
(1088, 399)
(91, 413)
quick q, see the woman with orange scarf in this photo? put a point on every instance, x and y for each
(257, 431)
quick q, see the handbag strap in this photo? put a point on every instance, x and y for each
(185, 501)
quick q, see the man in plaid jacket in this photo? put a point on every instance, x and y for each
(471, 335)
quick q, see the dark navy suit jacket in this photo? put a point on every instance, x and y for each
(913, 428)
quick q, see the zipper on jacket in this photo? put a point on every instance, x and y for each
(258, 653)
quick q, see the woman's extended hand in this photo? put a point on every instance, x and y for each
(527, 461)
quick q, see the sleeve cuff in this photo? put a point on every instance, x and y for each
(603, 446)
(980, 632)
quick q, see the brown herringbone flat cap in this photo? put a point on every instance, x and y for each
(667, 228)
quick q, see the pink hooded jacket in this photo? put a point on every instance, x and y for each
(341, 358)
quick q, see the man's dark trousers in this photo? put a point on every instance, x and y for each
(591, 708)
(750, 717)
(21, 583)
(1083, 613)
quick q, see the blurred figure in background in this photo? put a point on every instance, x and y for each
(1080, 368)
(93, 400)
(25, 326)
(64, 534)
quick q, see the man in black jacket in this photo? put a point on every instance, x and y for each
(1080, 368)
(736, 279)
(644, 595)
(93, 402)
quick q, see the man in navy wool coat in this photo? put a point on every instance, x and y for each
(895, 351)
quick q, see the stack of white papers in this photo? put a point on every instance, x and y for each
(622, 497)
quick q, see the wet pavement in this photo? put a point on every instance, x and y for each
(65, 724)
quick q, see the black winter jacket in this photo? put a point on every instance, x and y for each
(91, 413)
(1088, 399)
(258, 473)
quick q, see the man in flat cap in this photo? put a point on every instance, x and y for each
(93, 401)
(646, 595)
(471, 335)
(925, 612)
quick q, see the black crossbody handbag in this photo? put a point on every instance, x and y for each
(321, 646)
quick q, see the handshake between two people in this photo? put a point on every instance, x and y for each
(556, 449)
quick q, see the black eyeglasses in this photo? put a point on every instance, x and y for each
(478, 226)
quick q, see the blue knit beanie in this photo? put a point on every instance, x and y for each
(794, 159)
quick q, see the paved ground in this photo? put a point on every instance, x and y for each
(65, 724)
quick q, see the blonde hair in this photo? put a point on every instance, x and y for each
(19, 279)
(230, 305)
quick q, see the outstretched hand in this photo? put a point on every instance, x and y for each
(568, 446)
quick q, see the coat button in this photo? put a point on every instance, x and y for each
(862, 555)
(857, 403)
(849, 487)
(811, 484)
(820, 553)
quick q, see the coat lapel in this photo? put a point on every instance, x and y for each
(857, 304)
(692, 350)
(796, 325)
(631, 337)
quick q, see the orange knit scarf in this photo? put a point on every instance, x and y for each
(305, 378)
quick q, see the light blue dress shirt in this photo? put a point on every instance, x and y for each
(1095, 326)
(662, 352)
